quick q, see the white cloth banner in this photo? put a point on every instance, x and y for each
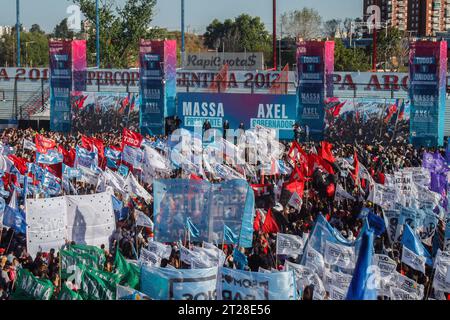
(384, 196)
(132, 186)
(160, 249)
(46, 224)
(386, 265)
(341, 194)
(29, 145)
(314, 260)
(149, 258)
(143, 220)
(295, 201)
(339, 255)
(413, 260)
(304, 276)
(289, 245)
(90, 219)
(85, 219)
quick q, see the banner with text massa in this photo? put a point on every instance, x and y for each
(272, 111)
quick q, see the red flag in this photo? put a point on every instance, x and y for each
(325, 151)
(54, 169)
(355, 173)
(392, 109)
(220, 80)
(296, 186)
(260, 189)
(68, 156)
(331, 189)
(270, 225)
(297, 175)
(99, 145)
(131, 138)
(297, 154)
(87, 143)
(44, 144)
(336, 110)
(195, 177)
(257, 221)
(281, 83)
(19, 163)
(80, 101)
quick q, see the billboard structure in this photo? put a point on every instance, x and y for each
(67, 74)
(158, 60)
(428, 74)
(315, 63)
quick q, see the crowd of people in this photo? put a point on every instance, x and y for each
(380, 156)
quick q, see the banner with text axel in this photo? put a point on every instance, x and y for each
(271, 111)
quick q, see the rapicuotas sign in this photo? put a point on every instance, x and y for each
(262, 80)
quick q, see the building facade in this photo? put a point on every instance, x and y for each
(422, 18)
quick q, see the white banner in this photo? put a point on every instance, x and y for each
(305, 276)
(336, 293)
(87, 219)
(413, 260)
(385, 265)
(90, 219)
(160, 249)
(46, 224)
(341, 194)
(339, 255)
(384, 196)
(149, 258)
(314, 260)
(290, 245)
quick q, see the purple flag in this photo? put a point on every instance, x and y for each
(439, 183)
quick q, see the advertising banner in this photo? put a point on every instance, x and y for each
(428, 73)
(315, 62)
(271, 111)
(60, 84)
(151, 90)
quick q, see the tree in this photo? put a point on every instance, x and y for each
(35, 28)
(391, 49)
(304, 24)
(244, 33)
(121, 28)
(353, 59)
(62, 30)
(332, 28)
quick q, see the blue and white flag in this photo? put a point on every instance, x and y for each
(133, 156)
(360, 286)
(239, 259)
(229, 236)
(412, 242)
(51, 157)
(123, 170)
(111, 164)
(71, 173)
(126, 293)
(178, 284)
(13, 217)
(51, 184)
(85, 158)
(376, 223)
(191, 228)
(246, 285)
(112, 154)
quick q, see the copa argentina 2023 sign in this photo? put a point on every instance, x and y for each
(271, 111)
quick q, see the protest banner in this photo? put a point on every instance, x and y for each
(246, 285)
(179, 284)
(289, 245)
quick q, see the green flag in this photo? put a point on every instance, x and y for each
(70, 259)
(129, 273)
(92, 250)
(96, 284)
(67, 294)
(29, 287)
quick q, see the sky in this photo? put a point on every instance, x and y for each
(199, 13)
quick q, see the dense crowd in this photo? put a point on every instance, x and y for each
(382, 156)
